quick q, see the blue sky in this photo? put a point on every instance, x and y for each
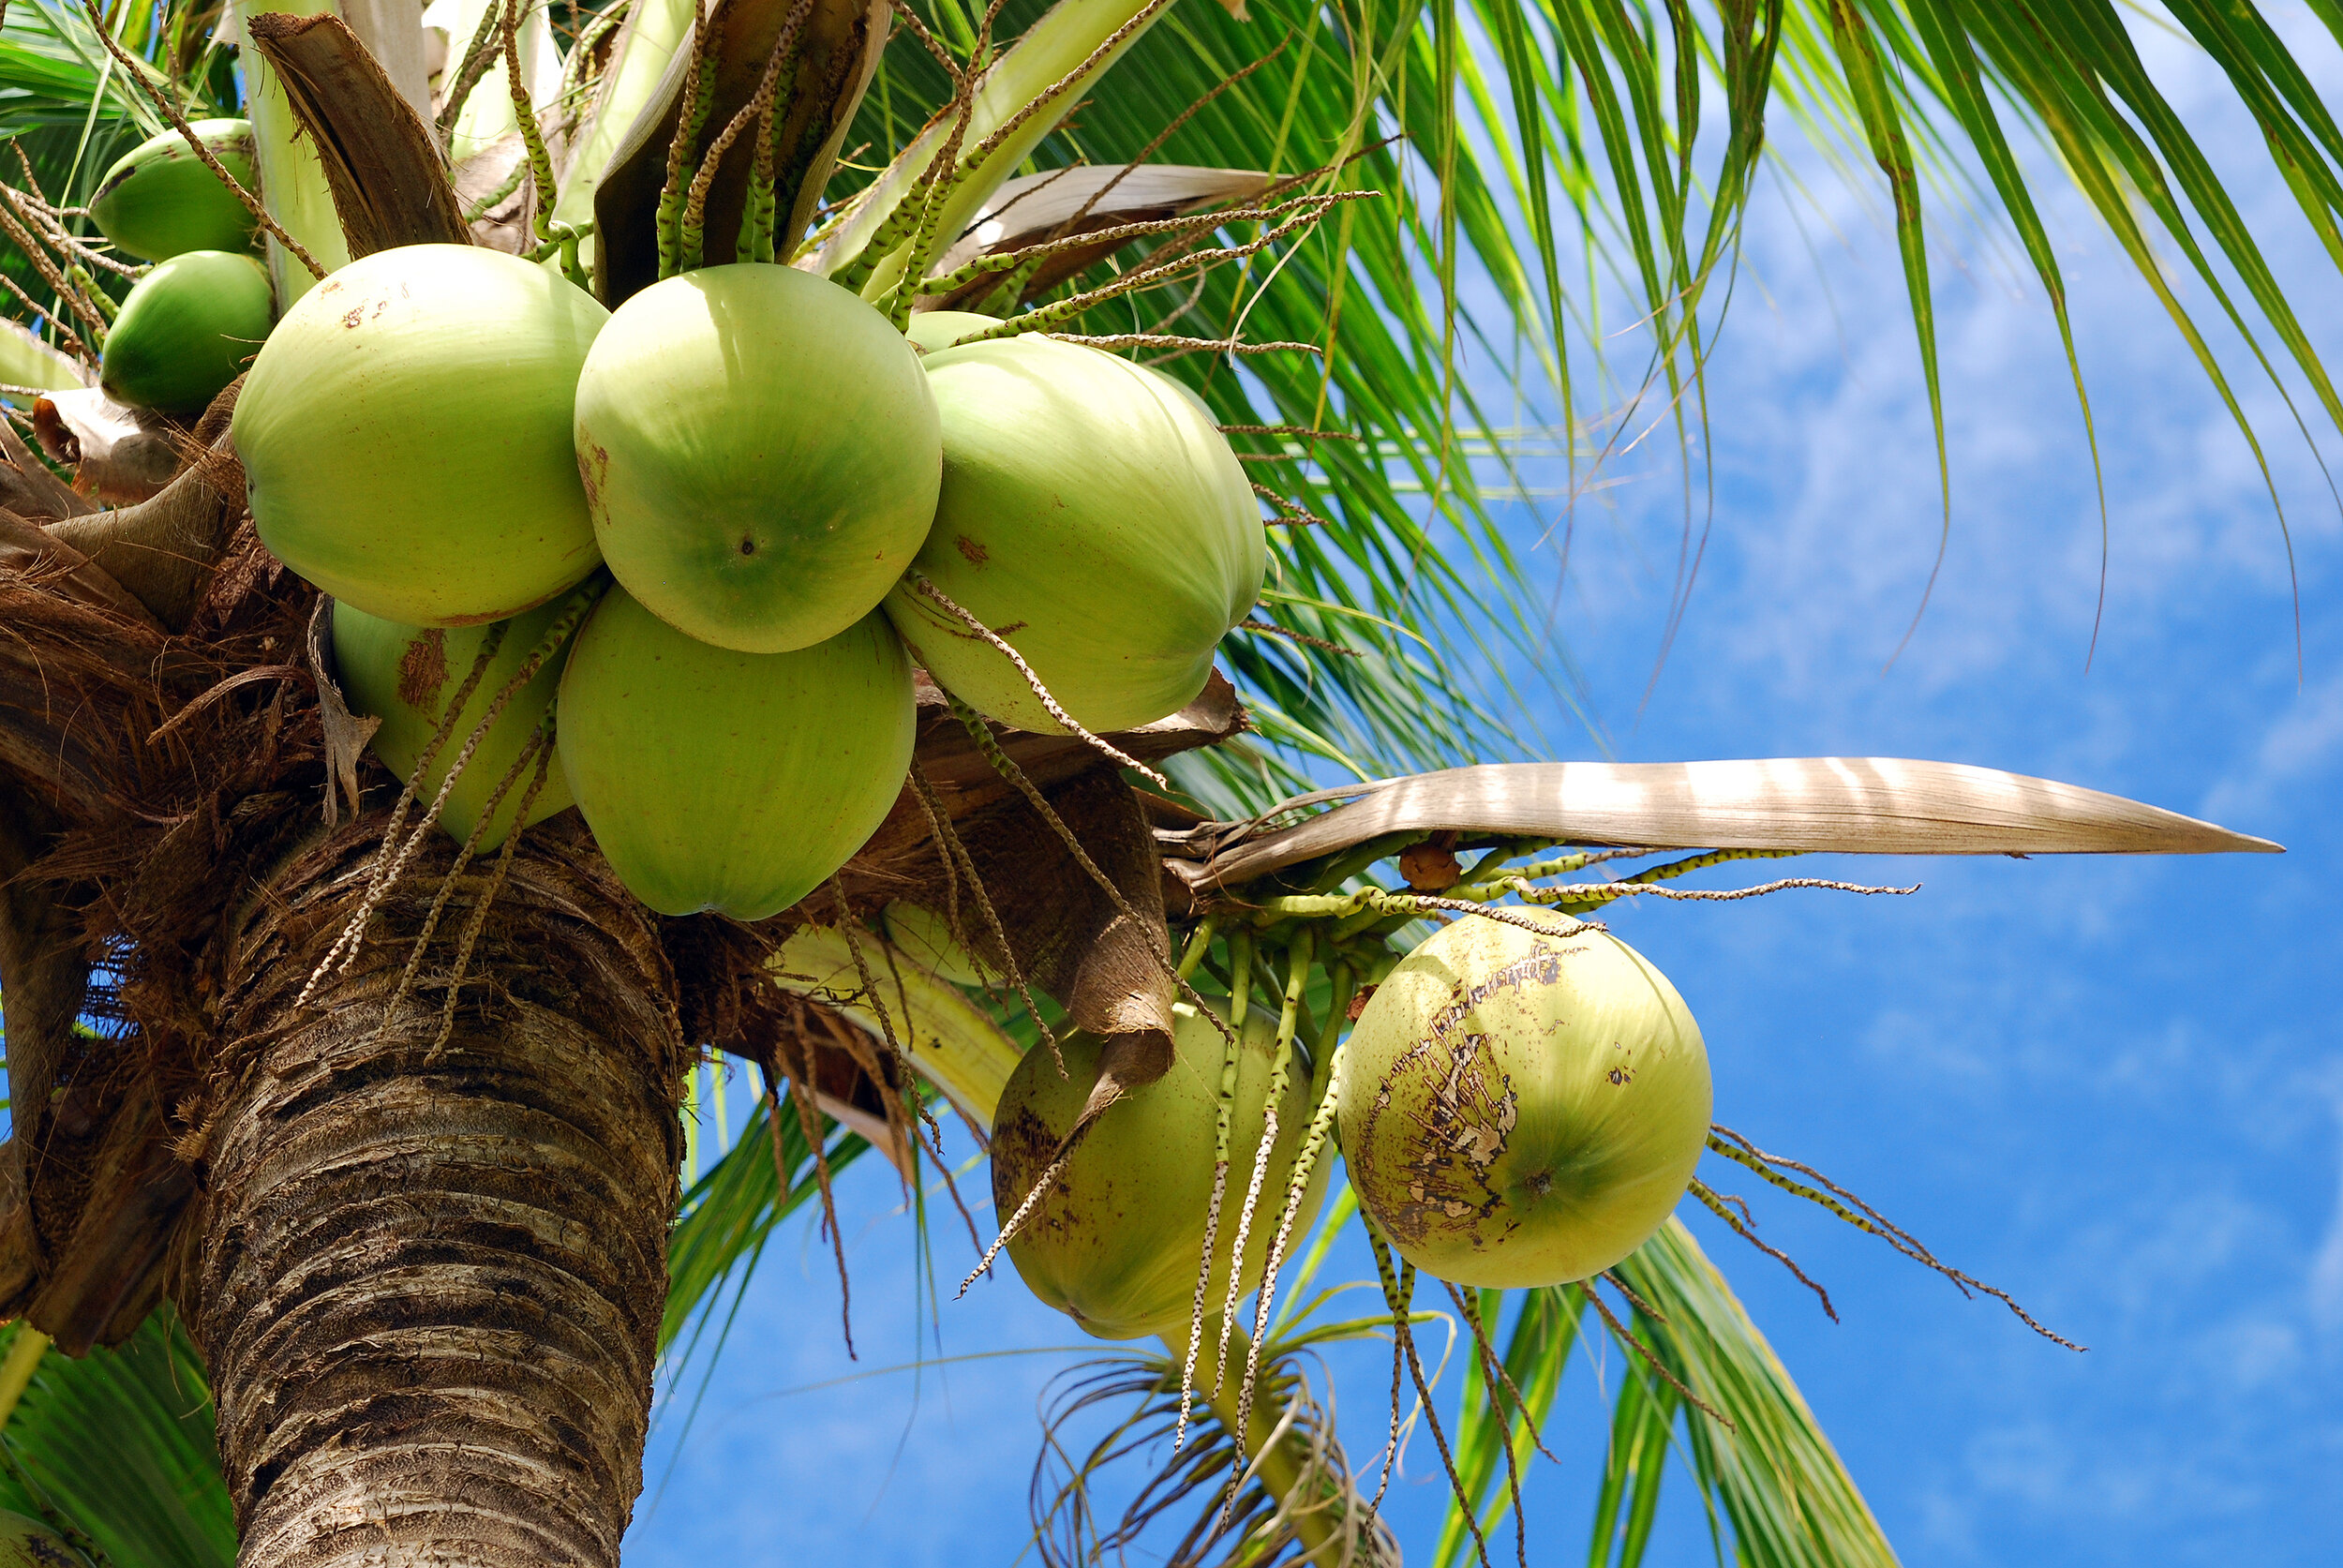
(2111, 1087)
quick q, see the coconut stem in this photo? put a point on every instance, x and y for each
(1224, 1120)
(692, 237)
(549, 229)
(1289, 1018)
(1398, 1294)
(699, 91)
(479, 56)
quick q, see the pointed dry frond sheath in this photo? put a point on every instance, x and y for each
(1837, 805)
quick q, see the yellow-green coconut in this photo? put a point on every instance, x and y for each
(406, 435)
(186, 329)
(1519, 1108)
(1115, 1242)
(158, 199)
(735, 781)
(760, 452)
(1094, 517)
(407, 676)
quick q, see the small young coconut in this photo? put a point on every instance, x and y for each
(405, 435)
(405, 675)
(27, 1543)
(1094, 517)
(1117, 1240)
(760, 452)
(1519, 1108)
(186, 330)
(160, 201)
(735, 781)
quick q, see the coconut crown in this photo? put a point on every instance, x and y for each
(1521, 1109)
(1116, 1242)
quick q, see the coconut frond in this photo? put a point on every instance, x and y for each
(114, 1450)
(1769, 1479)
(1798, 805)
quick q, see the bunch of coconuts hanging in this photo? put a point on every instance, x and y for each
(193, 322)
(455, 443)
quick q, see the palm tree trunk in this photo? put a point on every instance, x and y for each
(428, 1277)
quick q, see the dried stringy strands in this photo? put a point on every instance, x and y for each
(1048, 317)
(50, 274)
(539, 742)
(1224, 1118)
(1398, 1294)
(1051, 94)
(1620, 1332)
(479, 920)
(1607, 892)
(68, 339)
(378, 869)
(382, 877)
(1746, 1229)
(1179, 345)
(1186, 224)
(1492, 1377)
(1287, 511)
(1266, 629)
(1041, 1187)
(138, 74)
(1114, 754)
(850, 928)
(947, 839)
(808, 1121)
(1733, 1146)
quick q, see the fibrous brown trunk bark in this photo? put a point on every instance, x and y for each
(427, 1281)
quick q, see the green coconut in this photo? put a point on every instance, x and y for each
(405, 675)
(760, 452)
(26, 1543)
(1519, 1108)
(735, 781)
(406, 435)
(160, 201)
(925, 937)
(932, 332)
(1092, 515)
(1115, 1242)
(187, 329)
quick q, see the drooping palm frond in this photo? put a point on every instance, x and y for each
(1777, 1494)
(115, 1452)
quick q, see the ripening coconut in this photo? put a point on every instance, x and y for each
(733, 782)
(1117, 1240)
(186, 329)
(1094, 517)
(407, 676)
(160, 201)
(760, 452)
(406, 435)
(1519, 1108)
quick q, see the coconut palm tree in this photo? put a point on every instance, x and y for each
(376, 1138)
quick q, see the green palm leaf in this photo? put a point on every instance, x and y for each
(1771, 1476)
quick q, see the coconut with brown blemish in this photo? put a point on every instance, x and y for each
(1522, 1108)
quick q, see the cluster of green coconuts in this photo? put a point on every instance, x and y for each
(1515, 1108)
(191, 323)
(447, 438)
